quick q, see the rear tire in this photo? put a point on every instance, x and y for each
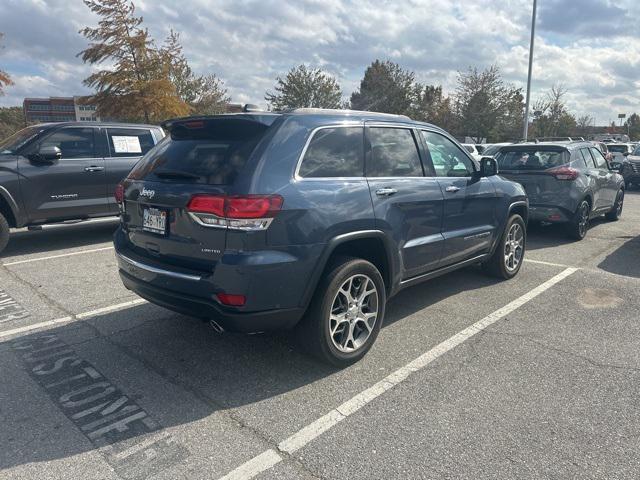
(507, 259)
(616, 211)
(4, 232)
(579, 224)
(346, 313)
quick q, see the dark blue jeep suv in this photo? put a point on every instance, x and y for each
(309, 218)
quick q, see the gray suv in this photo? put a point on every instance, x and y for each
(310, 219)
(566, 182)
(56, 172)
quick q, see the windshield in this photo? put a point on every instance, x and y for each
(534, 158)
(636, 151)
(618, 148)
(492, 150)
(11, 144)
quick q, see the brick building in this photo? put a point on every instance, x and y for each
(58, 109)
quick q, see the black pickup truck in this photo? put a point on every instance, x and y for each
(56, 172)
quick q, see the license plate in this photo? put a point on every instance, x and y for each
(154, 220)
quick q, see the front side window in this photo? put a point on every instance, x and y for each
(448, 160)
(72, 142)
(334, 152)
(601, 162)
(129, 142)
(588, 158)
(394, 153)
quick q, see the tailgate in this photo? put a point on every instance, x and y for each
(541, 187)
(159, 226)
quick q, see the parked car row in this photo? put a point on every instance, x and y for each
(309, 219)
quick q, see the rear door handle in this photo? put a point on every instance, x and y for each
(93, 168)
(386, 192)
(452, 189)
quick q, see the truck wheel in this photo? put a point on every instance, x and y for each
(4, 232)
(346, 313)
(507, 260)
(579, 225)
(614, 214)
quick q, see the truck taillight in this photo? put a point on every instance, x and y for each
(119, 194)
(241, 212)
(564, 173)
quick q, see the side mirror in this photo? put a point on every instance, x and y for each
(626, 154)
(49, 153)
(488, 167)
(617, 166)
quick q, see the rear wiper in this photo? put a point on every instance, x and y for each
(176, 174)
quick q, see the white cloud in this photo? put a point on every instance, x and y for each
(250, 42)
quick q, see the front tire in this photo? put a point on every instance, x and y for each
(507, 259)
(579, 224)
(616, 211)
(4, 232)
(346, 313)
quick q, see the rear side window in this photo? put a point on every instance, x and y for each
(531, 158)
(210, 152)
(72, 142)
(129, 142)
(394, 153)
(334, 152)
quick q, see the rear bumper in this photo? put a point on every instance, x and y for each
(234, 321)
(273, 282)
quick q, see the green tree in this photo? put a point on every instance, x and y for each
(138, 86)
(431, 105)
(633, 126)
(5, 79)
(508, 125)
(386, 87)
(205, 95)
(304, 87)
(484, 104)
(11, 120)
(553, 118)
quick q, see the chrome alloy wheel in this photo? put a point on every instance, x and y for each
(514, 247)
(620, 203)
(583, 219)
(354, 313)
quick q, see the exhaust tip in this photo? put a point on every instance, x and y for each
(216, 327)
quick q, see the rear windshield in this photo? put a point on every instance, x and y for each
(531, 158)
(618, 148)
(210, 151)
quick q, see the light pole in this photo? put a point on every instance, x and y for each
(526, 108)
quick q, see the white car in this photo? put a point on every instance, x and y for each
(471, 148)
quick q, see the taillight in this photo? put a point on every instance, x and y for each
(564, 173)
(242, 212)
(231, 300)
(119, 194)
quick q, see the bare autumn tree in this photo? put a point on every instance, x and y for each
(205, 95)
(304, 87)
(5, 79)
(553, 119)
(136, 84)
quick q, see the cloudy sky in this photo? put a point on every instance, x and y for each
(591, 46)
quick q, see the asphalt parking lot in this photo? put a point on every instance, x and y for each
(470, 377)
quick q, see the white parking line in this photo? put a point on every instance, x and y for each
(551, 264)
(81, 252)
(79, 316)
(302, 437)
